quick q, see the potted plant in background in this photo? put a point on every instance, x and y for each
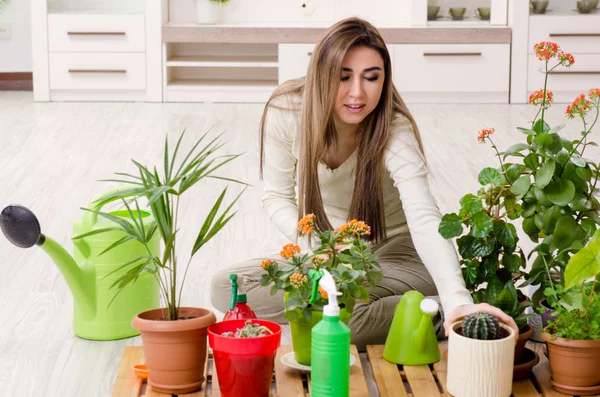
(209, 12)
(174, 337)
(480, 357)
(573, 336)
(491, 261)
(344, 254)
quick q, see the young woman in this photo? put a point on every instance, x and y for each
(343, 137)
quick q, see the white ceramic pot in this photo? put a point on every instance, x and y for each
(480, 368)
(208, 12)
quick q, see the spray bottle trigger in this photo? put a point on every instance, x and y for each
(315, 275)
(234, 288)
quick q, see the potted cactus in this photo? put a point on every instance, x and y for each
(480, 357)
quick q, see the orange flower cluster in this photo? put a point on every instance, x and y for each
(537, 98)
(317, 260)
(289, 250)
(306, 224)
(546, 50)
(579, 107)
(484, 134)
(298, 280)
(267, 264)
(323, 293)
(594, 94)
(353, 227)
(566, 59)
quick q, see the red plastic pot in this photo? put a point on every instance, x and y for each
(244, 365)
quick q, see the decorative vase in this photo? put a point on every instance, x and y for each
(574, 365)
(244, 365)
(175, 351)
(208, 12)
(482, 368)
(302, 335)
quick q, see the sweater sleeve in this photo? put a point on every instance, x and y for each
(407, 168)
(279, 169)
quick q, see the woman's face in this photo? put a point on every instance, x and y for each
(360, 86)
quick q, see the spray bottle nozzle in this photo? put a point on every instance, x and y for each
(234, 289)
(324, 279)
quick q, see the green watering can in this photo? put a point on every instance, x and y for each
(412, 339)
(86, 272)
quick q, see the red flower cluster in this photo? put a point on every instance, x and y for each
(484, 134)
(579, 107)
(566, 59)
(594, 94)
(537, 98)
(546, 50)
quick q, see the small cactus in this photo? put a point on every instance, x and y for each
(481, 326)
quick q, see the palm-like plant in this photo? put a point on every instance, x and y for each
(4, 6)
(163, 192)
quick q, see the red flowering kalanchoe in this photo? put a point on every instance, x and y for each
(537, 98)
(546, 50)
(485, 133)
(579, 107)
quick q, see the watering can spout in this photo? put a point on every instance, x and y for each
(429, 308)
(22, 228)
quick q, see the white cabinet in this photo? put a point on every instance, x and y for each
(293, 60)
(575, 34)
(463, 73)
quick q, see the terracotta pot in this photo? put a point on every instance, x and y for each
(574, 363)
(522, 368)
(524, 335)
(175, 351)
(482, 368)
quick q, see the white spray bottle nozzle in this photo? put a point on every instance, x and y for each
(328, 284)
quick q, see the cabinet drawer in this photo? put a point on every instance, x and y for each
(96, 33)
(106, 71)
(294, 60)
(575, 34)
(452, 68)
(580, 77)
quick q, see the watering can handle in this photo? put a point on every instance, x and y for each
(91, 217)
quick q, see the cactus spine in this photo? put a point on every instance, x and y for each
(482, 326)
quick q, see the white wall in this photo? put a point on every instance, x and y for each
(15, 53)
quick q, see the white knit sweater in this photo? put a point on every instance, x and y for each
(408, 203)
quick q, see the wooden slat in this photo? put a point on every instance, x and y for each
(215, 391)
(288, 380)
(387, 377)
(421, 381)
(524, 388)
(441, 368)
(542, 376)
(126, 383)
(358, 383)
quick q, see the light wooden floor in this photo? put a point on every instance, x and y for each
(51, 156)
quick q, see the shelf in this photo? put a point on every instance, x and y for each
(562, 13)
(223, 85)
(467, 22)
(238, 61)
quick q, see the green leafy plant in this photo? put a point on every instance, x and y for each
(577, 306)
(341, 252)
(553, 181)
(491, 261)
(163, 191)
(4, 4)
(220, 1)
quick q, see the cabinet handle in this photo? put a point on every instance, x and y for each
(576, 72)
(97, 71)
(96, 33)
(452, 54)
(574, 34)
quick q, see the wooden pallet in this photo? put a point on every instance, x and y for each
(287, 382)
(430, 380)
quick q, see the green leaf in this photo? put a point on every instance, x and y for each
(450, 226)
(583, 265)
(526, 130)
(489, 176)
(529, 208)
(521, 186)
(541, 197)
(584, 173)
(470, 247)
(512, 262)
(555, 146)
(531, 229)
(482, 225)
(542, 139)
(578, 161)
(507, 300)
(471, 204)
(567, 144)
(516, 148)
(564, 234)
(532, 161)
(469, 273)
(544, 175)
(506, 234)
(541, 126)
(551, 217)
(580, 203)
(493, 289)
(560, 192)
(513, 172)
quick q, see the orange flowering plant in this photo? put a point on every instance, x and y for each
(549, 184)
(342, 252)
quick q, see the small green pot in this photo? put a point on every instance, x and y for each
(302, 331)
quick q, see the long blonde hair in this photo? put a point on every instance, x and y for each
(319, 91)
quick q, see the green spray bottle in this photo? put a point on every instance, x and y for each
(330, 349)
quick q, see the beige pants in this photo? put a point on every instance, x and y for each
(402, 271)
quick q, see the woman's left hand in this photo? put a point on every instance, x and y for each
(464, 310)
